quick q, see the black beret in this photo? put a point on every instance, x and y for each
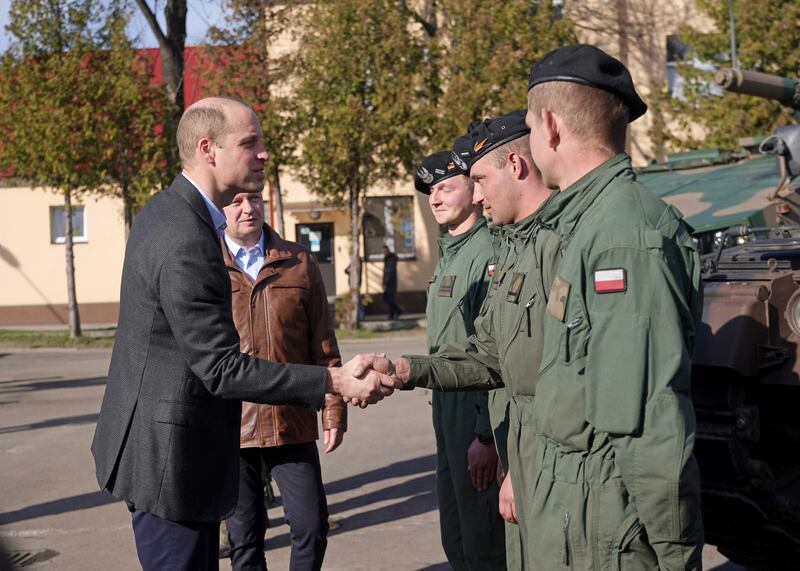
(591, 66)
(433, 169)
(487, 136)
(461, 152)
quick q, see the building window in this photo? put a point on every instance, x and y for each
(678, 53)
(389, 220)
(58, 224)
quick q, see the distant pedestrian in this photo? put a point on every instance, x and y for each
(390, 282)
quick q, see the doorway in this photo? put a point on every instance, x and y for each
(319, 239)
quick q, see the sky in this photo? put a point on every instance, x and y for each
(201, 15)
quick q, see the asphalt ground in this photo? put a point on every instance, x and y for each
(380, 482)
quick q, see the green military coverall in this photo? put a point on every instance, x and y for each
(613, 483)
(507, 343)
(471, 526)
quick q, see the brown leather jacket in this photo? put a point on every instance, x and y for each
(284, 317)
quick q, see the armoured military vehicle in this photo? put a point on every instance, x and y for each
(745, 209)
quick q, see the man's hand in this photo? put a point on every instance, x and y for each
(332, 437)
(363, 380)
(482, 464)
(402, 369)
(377, 362)
(507, 507)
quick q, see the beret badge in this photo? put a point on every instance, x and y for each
(425, 175)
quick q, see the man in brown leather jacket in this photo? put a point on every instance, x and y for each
(281, 313)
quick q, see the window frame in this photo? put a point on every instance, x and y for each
(389, 237)
(82, 238)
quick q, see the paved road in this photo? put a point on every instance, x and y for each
(380, 483)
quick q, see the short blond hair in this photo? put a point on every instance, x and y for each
(521, 146)
(204, 119)
(593, 115)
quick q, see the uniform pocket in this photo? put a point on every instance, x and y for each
(616, 372)
(632, 551)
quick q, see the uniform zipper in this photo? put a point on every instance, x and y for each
(566, 539)
(528, 311)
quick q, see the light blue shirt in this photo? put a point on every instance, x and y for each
(217, 216)
(249, 261)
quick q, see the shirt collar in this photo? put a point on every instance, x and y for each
(217, 216)
(238, 250)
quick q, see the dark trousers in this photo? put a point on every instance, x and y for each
(295, 468)
(473, 532)
(388, 298)
(164, 545)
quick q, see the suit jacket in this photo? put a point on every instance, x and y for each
(167, 438)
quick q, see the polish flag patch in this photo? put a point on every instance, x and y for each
(610, 281)
(490, 270)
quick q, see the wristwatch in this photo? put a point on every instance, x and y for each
(486, 439)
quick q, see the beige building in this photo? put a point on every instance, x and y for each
(398, 216)
(636, 32)
(32, 254)
(33, 263)
(32, 266)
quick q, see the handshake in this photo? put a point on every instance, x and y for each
(365, 379)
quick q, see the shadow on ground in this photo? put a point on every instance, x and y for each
(59, 506)
(395, 470)
(416, 494)
(50, 383)
(69, 420)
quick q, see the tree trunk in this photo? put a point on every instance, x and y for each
(277, 200)
(72, 298)
(355, 259)
(127, 211)
(170, 46)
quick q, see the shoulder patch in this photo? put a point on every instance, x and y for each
(612, 280)
(557, 302)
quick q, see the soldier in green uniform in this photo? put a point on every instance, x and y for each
(612, 482)
(466, 460)
(506, 346)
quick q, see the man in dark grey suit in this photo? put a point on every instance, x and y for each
(167, 440)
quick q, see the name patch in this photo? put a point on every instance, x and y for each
(446, 286)
(557, 302)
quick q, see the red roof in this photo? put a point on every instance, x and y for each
(192, 77)
(192, 74)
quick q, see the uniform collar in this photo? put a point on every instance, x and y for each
(449, 244)
(564, 212)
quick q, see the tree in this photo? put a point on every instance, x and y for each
(48, 93)
(244, 63)
(131, 119)
(171, 44)
(768, 41)
(67, 83)
(479, 53)
(359, 93)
